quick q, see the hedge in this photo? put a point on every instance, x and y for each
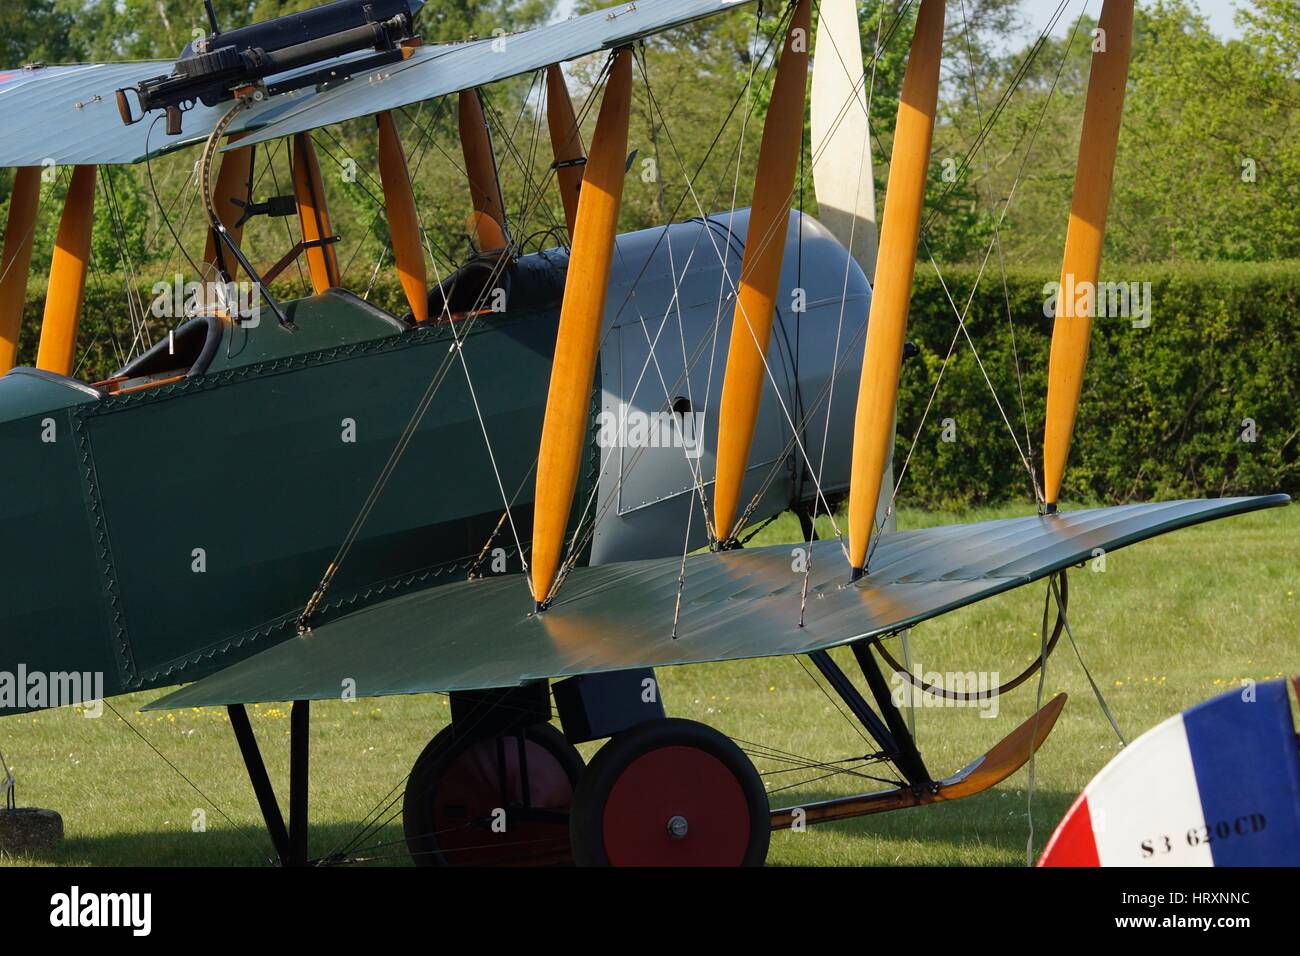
(1161, 414)
(1162, 409)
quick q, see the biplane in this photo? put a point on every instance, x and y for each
(347, 501)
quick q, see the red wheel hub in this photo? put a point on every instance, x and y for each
(676, 806)
(470, 792)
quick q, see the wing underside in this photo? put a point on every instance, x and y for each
(739, 604)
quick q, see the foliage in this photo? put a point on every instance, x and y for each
(1163, 408)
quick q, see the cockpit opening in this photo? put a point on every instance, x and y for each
(186, 352)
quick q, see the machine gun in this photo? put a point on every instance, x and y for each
(212, 69)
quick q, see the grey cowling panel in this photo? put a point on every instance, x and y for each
(667, 329)
(740, 604)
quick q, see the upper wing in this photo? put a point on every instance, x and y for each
(68, 114)
(736, 604)
(438, 70)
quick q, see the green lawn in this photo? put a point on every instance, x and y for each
(1170, 622)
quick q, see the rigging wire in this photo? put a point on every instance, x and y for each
(1038, 709)
(148, 165)
(1101, 699)
(288, 230)
(763, 241)
(1021, 72)
(180, 773)
(579, 540)
(1002, 268)
(690, 192)
(138, 319)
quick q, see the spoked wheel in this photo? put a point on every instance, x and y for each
(670, 792)
(472, 801)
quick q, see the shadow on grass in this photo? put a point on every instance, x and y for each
(219, 846)
(995, 821)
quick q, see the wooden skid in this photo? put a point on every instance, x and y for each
(1008, 756)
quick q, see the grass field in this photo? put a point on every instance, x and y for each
(1169, 623)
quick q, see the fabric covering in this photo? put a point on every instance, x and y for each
(737, 604)
(68, 114)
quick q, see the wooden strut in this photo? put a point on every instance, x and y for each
(577, 342)
(403, 220)
(1008, 756)
(1081, 263)
(232, 183)
(313, 215)
(895, 268)
(566, 142)
(67, 284)
(760, 273)
(488, 221)
(15, 264)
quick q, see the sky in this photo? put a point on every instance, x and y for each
(1220, 13)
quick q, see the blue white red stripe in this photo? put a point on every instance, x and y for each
(1217, 785)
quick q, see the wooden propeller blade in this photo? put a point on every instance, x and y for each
(403, 220)
(760, 272)
(313, 214)
(840, 135)
(15, 264)
(895, 268)
(1081, 263)
(582, 311)
(67, 286)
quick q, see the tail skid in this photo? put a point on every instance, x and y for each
(1006, 757)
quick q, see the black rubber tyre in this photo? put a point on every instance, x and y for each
(670, 792)
(455, 788)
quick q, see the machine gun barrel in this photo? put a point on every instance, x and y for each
(372, 35)
(209, 70)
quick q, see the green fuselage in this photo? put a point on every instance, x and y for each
(160, 535)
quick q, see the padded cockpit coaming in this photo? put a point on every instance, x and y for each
(529, 282)
(188, 351)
